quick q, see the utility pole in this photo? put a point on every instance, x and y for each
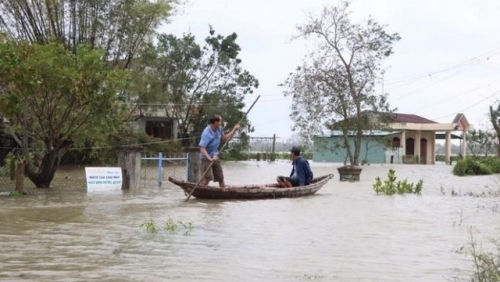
(273, 155)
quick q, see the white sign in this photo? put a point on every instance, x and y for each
(103, 179)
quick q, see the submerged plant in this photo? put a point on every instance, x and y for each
(150, 226)
(172, 226)
(486, 265)
(391, 186)
(187, 226)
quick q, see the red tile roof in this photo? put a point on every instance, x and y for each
(404, 118)
(410, 118)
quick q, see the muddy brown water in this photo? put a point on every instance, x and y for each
(345, 232)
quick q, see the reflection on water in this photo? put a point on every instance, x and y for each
(343, 233)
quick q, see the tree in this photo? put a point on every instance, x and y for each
(120, 27)
(189, 82)
(495, 122)
(334, 88)
(54, 99)
(480, 141)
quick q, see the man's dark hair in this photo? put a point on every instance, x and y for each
(295, 150)
(214, 118)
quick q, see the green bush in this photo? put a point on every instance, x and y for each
(493, 163)
(391, 187)
(472, 166)
(234, 155)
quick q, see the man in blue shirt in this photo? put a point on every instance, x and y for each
(209, 148)
(301, 172)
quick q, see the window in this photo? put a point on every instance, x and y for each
(159, 129)
(396, 142)
(410, 146)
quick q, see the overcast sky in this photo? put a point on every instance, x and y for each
(447, 62)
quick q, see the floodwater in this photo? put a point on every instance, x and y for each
(345, 232)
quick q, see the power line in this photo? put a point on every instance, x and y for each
(425, 86)
(449, 97)
(195, 104)
(471, 106)
(471, 61)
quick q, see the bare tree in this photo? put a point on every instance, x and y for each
(334, 87)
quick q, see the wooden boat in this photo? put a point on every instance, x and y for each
(267, 191)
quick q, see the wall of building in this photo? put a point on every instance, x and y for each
(139, 126)
(394, 155)
(330, 149)
(430, 137)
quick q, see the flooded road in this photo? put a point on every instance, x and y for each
(345, 232)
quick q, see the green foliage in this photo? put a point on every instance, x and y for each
(150, 226)
(391, 186)
(476, 166)
(495, 122)
(190, 82)
(61, 99)
(5, 170)
(480, 141)
(121, 26)
(60, 88)
(486, 265)
(335, 86)
(233, 155)
(493, 163)
(171, 226)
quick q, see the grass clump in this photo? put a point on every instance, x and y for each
(391, 186)
(477, 166)
(150, 226)
(486, 265)
(171, 226)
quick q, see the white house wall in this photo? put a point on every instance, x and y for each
(394, 154)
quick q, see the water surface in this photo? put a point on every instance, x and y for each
(345, 232)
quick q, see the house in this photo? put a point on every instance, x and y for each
(154, 121)
(407, 138)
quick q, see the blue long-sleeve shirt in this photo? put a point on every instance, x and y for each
(304, 172)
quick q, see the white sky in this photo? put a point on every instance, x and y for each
(448, 60)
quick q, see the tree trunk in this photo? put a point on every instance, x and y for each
(357, 147)
(46, 169)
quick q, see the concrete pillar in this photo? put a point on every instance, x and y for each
(129, 159)
(194, 164)
(418, 151)
(403, 142)
(433, 149)
(464, 143)
(20, 177)
(447, 147)
(175, 129)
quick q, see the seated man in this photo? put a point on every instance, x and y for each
(301, 172)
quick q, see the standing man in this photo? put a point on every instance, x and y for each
(209, 147)
(301, 172)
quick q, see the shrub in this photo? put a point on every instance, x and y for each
(391, 187)
(486, 264)
(493, 163)
(470, 166)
